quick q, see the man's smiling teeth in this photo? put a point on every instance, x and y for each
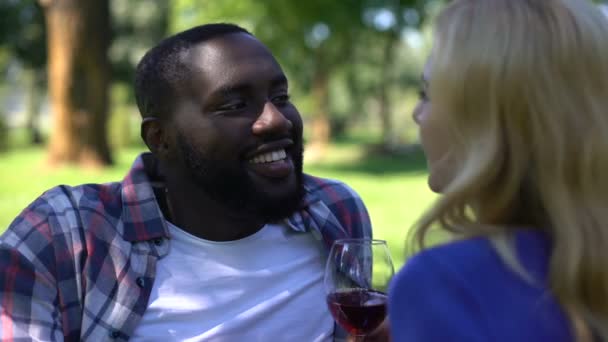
(269, 157)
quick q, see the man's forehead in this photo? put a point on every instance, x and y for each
(234, 48)
(234, 58)
(233, 61)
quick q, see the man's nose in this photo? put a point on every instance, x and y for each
(271, 121)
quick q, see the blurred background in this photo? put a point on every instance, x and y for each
(68, 116)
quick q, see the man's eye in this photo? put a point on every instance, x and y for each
(280, 99)
(234, 105)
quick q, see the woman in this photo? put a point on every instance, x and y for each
(513, 121)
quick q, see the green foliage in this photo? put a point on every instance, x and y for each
(137, 25)
(124, 118)
(22, 30)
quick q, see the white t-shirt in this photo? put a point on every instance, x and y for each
(267, 286)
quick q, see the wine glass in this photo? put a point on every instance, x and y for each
(356, 278)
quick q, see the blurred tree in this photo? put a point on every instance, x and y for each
(78, 37)
(35, 82)
(388, 21)
(137, 25)
(22, 33)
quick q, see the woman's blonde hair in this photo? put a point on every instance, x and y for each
(522, 86)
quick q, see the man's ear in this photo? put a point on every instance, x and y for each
(154, 135)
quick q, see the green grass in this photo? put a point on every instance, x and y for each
(393, 188)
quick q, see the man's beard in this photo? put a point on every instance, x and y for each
(230, 184)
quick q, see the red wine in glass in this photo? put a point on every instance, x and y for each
(356, 274)
(358, 311)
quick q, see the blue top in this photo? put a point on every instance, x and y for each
(463, 291)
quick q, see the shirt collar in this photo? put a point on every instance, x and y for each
(141, 216)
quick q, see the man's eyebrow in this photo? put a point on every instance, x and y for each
(228, 89)
(279, 81)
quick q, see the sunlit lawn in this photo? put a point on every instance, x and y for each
(393, 188)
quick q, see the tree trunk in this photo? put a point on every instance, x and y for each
(356, 94)
(383, 97)
(78, 36)
(320, 125)
(34, 80)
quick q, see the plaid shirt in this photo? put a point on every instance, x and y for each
(79, 262)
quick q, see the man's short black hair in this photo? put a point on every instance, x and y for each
(161, 70)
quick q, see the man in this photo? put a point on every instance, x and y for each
(214, 235)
